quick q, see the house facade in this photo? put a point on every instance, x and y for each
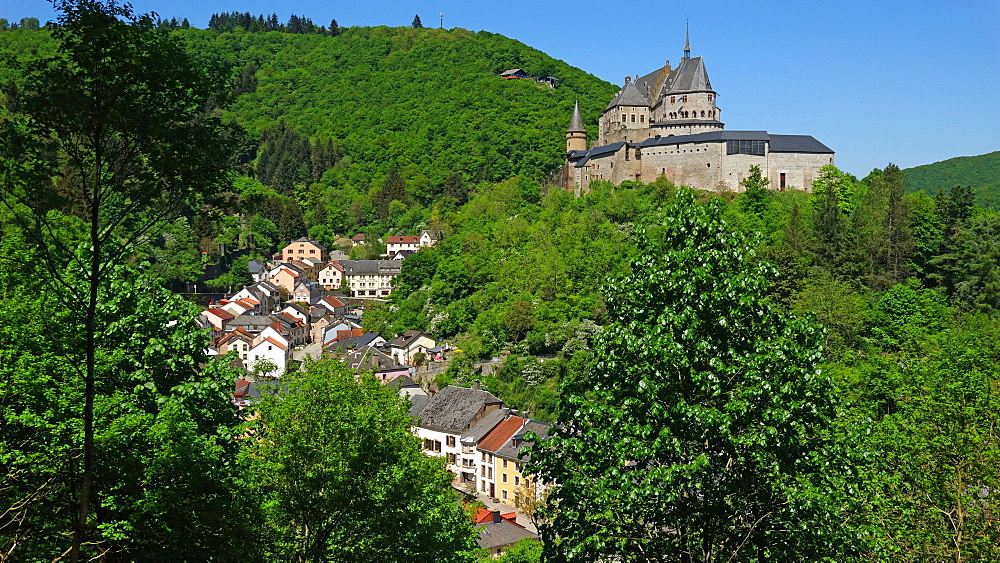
(303, 248)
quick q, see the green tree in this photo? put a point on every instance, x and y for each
(756, 197)
(416, 22)
(352, 484)
(113, 128)
(697, 434)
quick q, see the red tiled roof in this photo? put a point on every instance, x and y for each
(333, 301)
(499, 435)
(221, 313)
(402, 239)
(349, 333)
(275, 342)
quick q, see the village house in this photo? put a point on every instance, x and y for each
(370, 278)
(428, 238)
(334, 305)
(404, 347)
(239, 341)
(498, 532)
(331, 276)
(397, 244)
(272, 351)
(286, 276)
(307, 291)
(513, 486)
(303, 248)
(470, 457)
(448, 414)
(487, 450)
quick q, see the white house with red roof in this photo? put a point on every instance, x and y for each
(271, 350)
(217, 317)
(396, 244)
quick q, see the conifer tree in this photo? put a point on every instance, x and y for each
(416, 22)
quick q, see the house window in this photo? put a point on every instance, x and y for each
(437, 446)
(517, 480)
(450, 440)
(490, 472)
(505, 464)
(482, 471)
(312, 251)
(504, 476)
(244, 348)
(483, 486)
(483, 454)
(453, 459)
(503, 493)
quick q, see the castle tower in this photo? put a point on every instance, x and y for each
(576, 134)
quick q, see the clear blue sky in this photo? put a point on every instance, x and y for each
(907, 82)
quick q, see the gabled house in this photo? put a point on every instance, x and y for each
(286, 276)
(348, 340)
(331, 276)
(448, 414)
(257, 269)
(397, 244)
(269, 350)
(358, 239)
(487, 450)
(307, 291)
(239, 341)
(513, 486)
(469, 460)
(334, 305)
(217, 317)
(428, 238)
(370, 278)
(500, 533)
(303, 248)
(402, 255)
(405, 346)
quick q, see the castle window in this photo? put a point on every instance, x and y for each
(755, 148)
(703, 113)
(633, 118)
(673, 99)
(642, 118)
(782, 182)
(711, 97)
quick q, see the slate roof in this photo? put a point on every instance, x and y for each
(576, 123)
(629, 95)
(309, 240)
(354, 342)
(370, 267)
(499, 534)
(689, 76)
(798, 143)
(484, 426)
(598, 152)
(370, 358)
(256, 266)
(510, 451)
(417, 404)
(454, 409)
(407, 338)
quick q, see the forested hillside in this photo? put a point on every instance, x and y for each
(981, 173)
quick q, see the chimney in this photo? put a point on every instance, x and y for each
(496, 517)
(475, 385)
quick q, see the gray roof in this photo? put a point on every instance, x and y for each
(629, 95)
(798, 143)
(253, 323)
(417, 404)
(404, 340)
(370, 267)
(256, 266)
(776, 143)
(307, 239)
(598, 152)
(485, 425)
(689, 76)
(369, 358)
(501, 533)
(511, 451)
(354, 342)
(454, 409)
(576, 123)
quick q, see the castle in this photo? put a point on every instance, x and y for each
(667, 123)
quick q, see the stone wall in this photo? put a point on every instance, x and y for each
(800, 169)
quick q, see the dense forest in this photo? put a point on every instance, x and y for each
(978, 172)
(750, 376)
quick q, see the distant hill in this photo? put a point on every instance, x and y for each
(981, 172)
(429, 101)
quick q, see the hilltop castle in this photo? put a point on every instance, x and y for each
(667, 123)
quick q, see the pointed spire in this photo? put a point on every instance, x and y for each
(687, 40)
(576, 123)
